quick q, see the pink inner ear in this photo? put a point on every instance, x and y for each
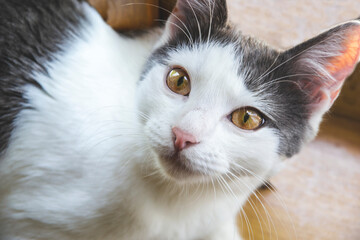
(341, 67)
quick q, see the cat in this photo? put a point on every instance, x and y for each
(163, 135)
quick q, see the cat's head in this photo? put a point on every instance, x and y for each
(219, 103)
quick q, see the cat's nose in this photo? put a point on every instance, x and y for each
(182, 139)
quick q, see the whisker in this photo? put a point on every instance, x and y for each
(268, 69)
(277, 196)
(249, 227)
(291, 58)
(268, 216)
(252, 204)
(211, 10)
(273, 81)
(188, 36)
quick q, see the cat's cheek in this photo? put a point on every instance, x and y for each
(266, 148)
(255, 151)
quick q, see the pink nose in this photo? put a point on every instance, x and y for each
(182, 139)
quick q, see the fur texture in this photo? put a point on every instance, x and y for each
(87, 148)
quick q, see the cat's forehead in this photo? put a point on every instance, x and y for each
(207, 60)
(213, 69)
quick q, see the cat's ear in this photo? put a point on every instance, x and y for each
(196, 19)
(323, 63)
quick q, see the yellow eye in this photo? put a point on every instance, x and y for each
(247, 118)
(178, 81)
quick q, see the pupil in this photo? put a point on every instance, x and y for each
(246, 117)
(180, 81)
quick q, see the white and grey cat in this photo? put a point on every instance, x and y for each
(160, 136)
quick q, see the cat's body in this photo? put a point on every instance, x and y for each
(87, 130)
(84, 129)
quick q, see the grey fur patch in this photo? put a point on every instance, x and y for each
(31, 34)
(289, 114)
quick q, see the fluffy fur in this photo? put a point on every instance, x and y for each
(87, 147)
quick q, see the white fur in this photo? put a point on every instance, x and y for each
(84, 163)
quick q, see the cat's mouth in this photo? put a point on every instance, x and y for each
(180, 167)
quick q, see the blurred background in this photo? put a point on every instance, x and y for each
(317, 195)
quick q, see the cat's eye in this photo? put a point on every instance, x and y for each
(247, 118)
(178, 81)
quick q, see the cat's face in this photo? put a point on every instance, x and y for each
(209, 112)
(217, 103)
